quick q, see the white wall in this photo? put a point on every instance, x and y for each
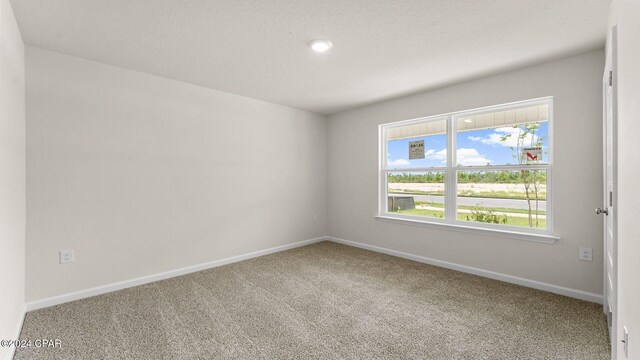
(12, 176)
(575, 84)
(626, 15)
(142, 175)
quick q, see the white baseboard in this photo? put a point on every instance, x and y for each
(98, 290)
(561, 290)
(16, 332)
(77, 295)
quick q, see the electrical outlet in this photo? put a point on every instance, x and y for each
(315, 218)
(585, 254)
(66, 256)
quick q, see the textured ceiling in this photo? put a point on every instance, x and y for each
(257, 48)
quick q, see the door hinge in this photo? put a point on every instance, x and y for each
(610, 77)
(610, 198)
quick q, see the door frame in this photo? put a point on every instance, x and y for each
(610, 80)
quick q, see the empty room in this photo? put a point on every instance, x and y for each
(295, 179)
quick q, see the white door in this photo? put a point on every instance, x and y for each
(610, 158)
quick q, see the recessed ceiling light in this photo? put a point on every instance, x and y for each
(468, 121)
(320, 45)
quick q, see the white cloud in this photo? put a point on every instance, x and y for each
(511, 135)
(471, 157)
(399, 162)
(436, 155)
(466, 157)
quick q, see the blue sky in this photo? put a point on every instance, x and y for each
(478, 147)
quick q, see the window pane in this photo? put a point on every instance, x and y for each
(515, 136)
(432, 154)
(416, 193)
(516, 198)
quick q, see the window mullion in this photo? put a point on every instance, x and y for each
(450, 174)
(417, 169)
(503, 167)
(383, 196)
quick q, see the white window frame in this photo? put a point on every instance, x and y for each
(450, 220)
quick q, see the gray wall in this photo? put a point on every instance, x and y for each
(142, 175)
(12, 176)
(577, 184)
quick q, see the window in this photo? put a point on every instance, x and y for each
(484, 168)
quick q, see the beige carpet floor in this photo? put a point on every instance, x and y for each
(322, 301)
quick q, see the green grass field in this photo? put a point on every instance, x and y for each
(468, 193)
(514, 221)
(495, 209)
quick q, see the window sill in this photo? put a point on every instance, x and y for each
(540, 238)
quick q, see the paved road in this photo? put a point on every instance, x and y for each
(473, 201)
